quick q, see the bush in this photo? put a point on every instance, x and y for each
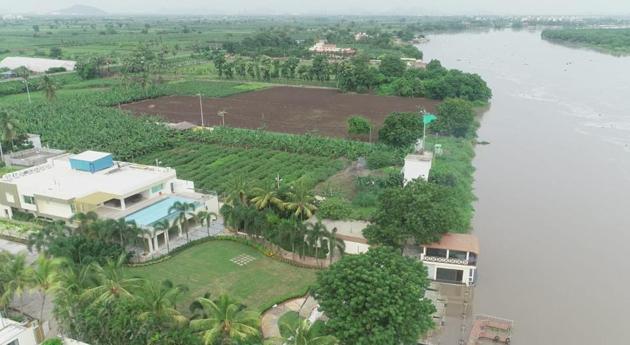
(52, 341)
(381, 159)
(359, 125)
(335, 208)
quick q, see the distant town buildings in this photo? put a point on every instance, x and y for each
(36, 65)
(360, 36)
(321, 47)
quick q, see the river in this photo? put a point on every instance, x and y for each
(553, 186)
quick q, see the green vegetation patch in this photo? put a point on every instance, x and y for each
(207, 268)
(614, 41)
(212, 166)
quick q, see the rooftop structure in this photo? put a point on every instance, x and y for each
(31, 157)
(37, 65)
(453, 259)
(16, 333)
(322, 47)
(417, 166)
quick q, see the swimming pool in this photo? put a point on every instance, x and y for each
(152, 213)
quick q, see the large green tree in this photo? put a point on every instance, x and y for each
(376, 298)
(456, 117)
(401, 129)
(421, 211)
(392, 66)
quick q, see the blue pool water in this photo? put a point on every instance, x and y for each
(151, 214)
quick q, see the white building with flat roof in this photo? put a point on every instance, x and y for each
(16, 333)
(417, 166)
(92, 181)
(37, 65)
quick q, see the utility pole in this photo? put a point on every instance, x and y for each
(201, 109)
(28, 93)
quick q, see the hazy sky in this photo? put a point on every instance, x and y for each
(411, 7)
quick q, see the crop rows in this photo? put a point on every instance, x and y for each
(211, 167)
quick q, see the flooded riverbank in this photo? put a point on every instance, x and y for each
(552, 215)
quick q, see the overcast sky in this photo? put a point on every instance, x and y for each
(410, 7)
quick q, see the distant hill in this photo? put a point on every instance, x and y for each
(80, 10)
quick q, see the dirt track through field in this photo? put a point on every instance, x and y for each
(282, 109)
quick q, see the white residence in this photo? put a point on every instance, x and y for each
(451, 260)
(92, 181)
(37, 65)
(16, 333)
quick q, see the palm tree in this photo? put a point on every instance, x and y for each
(315, 234)
(237, 190)
(207, 218)
(8, 129)
(45, 278)
(305, 334)
(164, 225)
(266, 197)
(160, 300)
(84, 221)
(335, 243)
(226, 321)
(196, 308)
(14, 277)
(111, 282)
(301, 201)
(183, 210)
(50, 88)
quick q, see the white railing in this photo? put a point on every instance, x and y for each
(25, 172)
(444, 260)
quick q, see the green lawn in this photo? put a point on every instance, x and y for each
(207, 268)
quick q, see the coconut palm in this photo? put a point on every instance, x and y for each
(50, 88)
(184, 210)
(266, 197)
(8, 129)
(334, 243)
(160, 300)
(315, 234)
(44, 278)
(304, 334)
(237, 190)
(14, 277)
(207, 218)
(301, 202)
(83, 221)
(111, 282)
(226, 321)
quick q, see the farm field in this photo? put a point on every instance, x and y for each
(207, 268)
(283, 109)
(212, 167)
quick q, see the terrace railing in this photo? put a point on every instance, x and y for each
(445, 260)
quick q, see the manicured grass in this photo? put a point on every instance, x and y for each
(207, 268)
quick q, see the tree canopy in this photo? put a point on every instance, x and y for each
(456, 117)
(401, 129)
(421, 211)
(376, 298)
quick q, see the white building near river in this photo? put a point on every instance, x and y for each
(93, 182)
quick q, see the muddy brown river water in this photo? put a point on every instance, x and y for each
(553, 215)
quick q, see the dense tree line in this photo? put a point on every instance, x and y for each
(613, 40)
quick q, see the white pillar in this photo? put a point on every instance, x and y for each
(122, 204)
(156, 244)
(150, 242)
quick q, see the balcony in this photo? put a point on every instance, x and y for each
(448, 260)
